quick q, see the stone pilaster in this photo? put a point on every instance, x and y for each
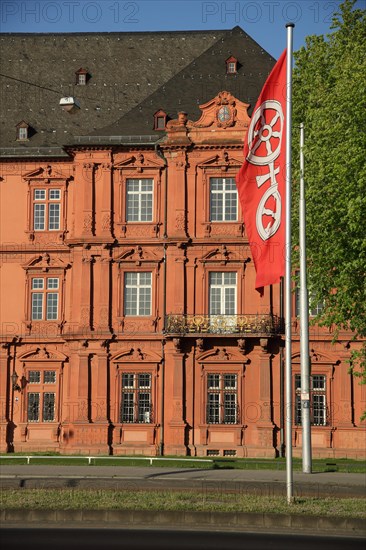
(265, 426)
(88, 214)
(106, 219)
(175, 425)
(86, 313)
(177, 227)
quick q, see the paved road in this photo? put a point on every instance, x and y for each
(259, 482)
(95, 539)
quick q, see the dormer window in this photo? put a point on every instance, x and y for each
(82, 77)
(231, 65)
(159, 120)
(22, 130)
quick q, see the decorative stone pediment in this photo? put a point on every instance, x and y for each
(217, 254)
(221, 254)
(45, 174)
(222, 161)
(315, 357)
(44, 262)
(42, 354)
(223, 113)
(138, 255)
(135, 355)
(139, 162)
(220, 355)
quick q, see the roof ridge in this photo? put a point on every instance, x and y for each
(114, 33)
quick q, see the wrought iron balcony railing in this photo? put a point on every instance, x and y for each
(223, 324)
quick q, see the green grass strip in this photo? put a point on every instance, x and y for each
(76, 499)
(318, 465)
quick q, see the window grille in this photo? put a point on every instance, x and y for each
(222, 399)
(318, 401)
(139, 200)
(223, 200)
(136, 406)
(46, 209)
(44, 298)
(138, 293)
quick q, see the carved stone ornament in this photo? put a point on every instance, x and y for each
(225, 116)
(88, 222)
(222, 354)
(199, 344)
(225, 112)
(180, 221)
(137, 354)
(179, 123)
(106, 222)
(177, 344)
(242, 345)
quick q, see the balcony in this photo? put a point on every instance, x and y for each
(255, 324)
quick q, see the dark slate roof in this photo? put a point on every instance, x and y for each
(132, 75)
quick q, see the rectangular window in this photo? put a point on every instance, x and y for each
(33, 406)
(139, 200)
(37, 306)
(222, 399)
(39, 217)
(22, 133)
(318, 403)
(223, 200)
(222, 293)
(46, 209)
(137, 293)
(136, 398)
(49, 377)
(41, 403)
(45, 298)
(81, 79)
(34, 377)
(48, 407)
(231, 67)
(54, 216)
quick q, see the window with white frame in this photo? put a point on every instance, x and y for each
(46, 209)
(45, 298)
(81, 79)
(41, 395)
(318, 400)
(23, 131)
(22, 134)
(139, 200)
(136, 404)
(231, 67)
(223, 200)
(222, 293)
(137, 293)
(222, 398)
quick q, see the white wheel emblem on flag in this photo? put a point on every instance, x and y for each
(264, 147)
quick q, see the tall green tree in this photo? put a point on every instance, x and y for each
(329, 97)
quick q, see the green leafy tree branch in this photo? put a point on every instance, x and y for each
(329, 97)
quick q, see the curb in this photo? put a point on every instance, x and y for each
(218, 521)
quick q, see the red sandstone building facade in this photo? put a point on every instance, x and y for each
(129, 319)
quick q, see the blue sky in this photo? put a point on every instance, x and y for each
(263, 20)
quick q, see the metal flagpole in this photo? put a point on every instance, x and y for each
(304, 323)
(288, 381)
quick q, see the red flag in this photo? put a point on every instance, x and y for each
(261, 181)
